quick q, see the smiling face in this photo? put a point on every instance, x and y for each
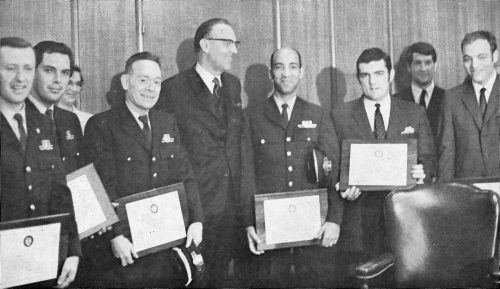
(422, 69)
(17, 70)
(479, 61)
(51, 77)
(286, 72)
(375, 79)
(219, 54)
(142, 84)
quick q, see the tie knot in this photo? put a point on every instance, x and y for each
(377, 105)
(284, 106)
(49, 113)
(482, 91)
(216, 82)
(144, 119)
(18, 117)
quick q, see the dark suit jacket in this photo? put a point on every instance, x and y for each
(33, 182)
(273, 163)
(434, 107)
(351, 122)
(116, 145)
(469, 146)
(212, 142)
(69, 136)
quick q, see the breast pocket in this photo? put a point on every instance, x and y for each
(307, 135)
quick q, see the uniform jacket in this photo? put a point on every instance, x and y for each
(33, 182)
(69, 137)
(211, 141)
(434, 107)
(468, 146)
(275, 157)
(351, 122)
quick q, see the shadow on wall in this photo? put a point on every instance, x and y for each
(258, 86)
(331, 87)
(401, 75)
(116, 93)
(186, 57)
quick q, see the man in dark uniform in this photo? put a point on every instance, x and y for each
(134, 149)
(53, 69)
(280, 134)
(33, 182)
(207, 105)
(421, 59)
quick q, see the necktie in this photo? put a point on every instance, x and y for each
(50, 116)
(379, 128)
(146, 129)
(422, 98)
(284, 115)
(482, 102)
(22, 132)
(218, 94)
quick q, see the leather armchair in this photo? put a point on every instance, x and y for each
(441, 235)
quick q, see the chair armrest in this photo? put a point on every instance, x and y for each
(374, 267)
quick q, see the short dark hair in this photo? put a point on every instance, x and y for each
(204, 29)
(296, 51)
(423, 48)
(52, 47)
(373, 54)
(480, 34)
(14, 42)
(145, 55)
(76, 68)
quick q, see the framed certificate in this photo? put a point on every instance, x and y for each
(290, 219)
(93, 209)
(30, 250)
(377, 165)
(486, 183)
(156, 219)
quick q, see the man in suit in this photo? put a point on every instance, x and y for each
(470, 119)
(378, 116)
(32, 177)
(135, 149)
(207, 105)
(421, 60)
(280, 135)
(53, 67)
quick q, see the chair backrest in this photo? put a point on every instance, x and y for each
(442, 234)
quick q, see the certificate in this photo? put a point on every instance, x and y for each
(290, 219)
(486, 183)
(93, 209)
(156, 219)
(29, 250)
(380, 165)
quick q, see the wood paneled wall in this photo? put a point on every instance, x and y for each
(330, 34)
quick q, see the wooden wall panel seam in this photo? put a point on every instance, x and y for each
(139, 29)
(332, 34)
(277, 24)
(391, 38)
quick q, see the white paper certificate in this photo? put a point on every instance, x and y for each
(292, 219)
(495, 187)
(378, 164)
(155, 221)
(29, 255)
(88, 211)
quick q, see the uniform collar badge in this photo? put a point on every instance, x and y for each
(69, 135)
(307, 124)
(167, 139)
(46, 145)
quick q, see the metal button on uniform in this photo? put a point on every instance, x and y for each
(290, 168)
(77, 154)
(129, 159)
(308, 139)
(32, 207)
(290, 183)
(30, 187)
(288, 153)
(28, 169)
(155, 175)
(171, 156)
(288, 139)
(262, 141)
(153, 159)
(52, 166)
(63, 159)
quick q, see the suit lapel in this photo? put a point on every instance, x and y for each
(204, 95)
(8, 136)
(130, 126)
(470, 103)
(397, 113)
(272, 113)
(297, 113)
(492, 107)
(156, 129)
(359, 115)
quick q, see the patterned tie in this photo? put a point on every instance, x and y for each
(22, 132)
(145, 129)
(379, 128)
(422, 98)
(284, 115)
(482, 102)
(218, 94)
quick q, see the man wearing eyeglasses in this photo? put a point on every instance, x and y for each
(207, 104)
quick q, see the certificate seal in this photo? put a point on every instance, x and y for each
(28, 241)
(154, 208)
(292, 208)
(379, 154)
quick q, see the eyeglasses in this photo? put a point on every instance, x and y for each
(227, 42)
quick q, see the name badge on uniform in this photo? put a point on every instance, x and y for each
(307, 124)
(69, 135)
(167, 139)
(46, 145)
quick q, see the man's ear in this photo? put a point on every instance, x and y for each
(124, 80)
(301, 73)
(495, 56)
(204, 45)
(391, 75)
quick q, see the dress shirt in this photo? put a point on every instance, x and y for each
(279, 102)
(8, 113)
(136, 114)
(207, 77)
(40, 106)
(385, 110)
(416, 91)
(488, 86)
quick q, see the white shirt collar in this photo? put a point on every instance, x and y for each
(279, 102)
(40, 106)
(136, 114)
(207, 77)
(385, 110)
(416, 91)
(8, 113)
(488, 86)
